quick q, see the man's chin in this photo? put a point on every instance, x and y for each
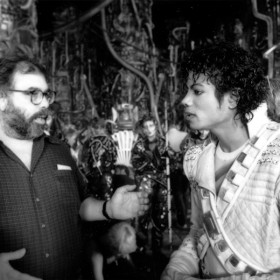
(38, 133)
(30, 136)
(35, 132)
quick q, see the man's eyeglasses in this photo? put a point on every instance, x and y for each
(37, 95)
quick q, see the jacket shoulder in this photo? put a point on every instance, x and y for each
(190, 159)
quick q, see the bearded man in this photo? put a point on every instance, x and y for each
(41, 188)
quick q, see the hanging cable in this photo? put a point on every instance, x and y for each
(131, 68)
(83, 18)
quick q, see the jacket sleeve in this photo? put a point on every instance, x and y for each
(183, 262)
(175, 275)
(246, 276)
(139, 156)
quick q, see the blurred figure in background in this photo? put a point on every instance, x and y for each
(148, 160)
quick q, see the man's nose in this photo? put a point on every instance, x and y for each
(45, 103)
(187, 100)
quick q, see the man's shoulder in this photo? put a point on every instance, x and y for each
(139, 141)
(194, 152)
(193, 155)
(268, 134)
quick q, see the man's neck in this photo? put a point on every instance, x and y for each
(21, 148)
(233, 138)
(152, 139)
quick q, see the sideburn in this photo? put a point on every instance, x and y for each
(16, 125)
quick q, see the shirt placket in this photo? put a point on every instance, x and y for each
(39, 205)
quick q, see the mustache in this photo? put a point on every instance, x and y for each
(44, 113)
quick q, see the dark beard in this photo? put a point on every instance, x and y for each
(17, 126)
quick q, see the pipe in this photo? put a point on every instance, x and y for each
(270, 50)
(131, 68)
(269, 23)
(83, 18)
(27, 5)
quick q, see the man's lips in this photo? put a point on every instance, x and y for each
(41, 119)
(43, 114)
(189, 115)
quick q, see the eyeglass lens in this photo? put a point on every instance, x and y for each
(37, 96)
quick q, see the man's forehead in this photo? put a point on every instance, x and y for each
(31, 79)
(23, 75)
(149, 122)
(196, 78)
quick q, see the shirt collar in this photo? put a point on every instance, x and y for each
(51, 139)
(259, 119)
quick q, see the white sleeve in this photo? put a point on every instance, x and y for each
(183, 262)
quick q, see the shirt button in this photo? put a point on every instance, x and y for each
(47, 255)
(43, 225)
(37, 199)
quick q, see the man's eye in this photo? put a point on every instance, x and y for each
(197, 92)
(34, 91)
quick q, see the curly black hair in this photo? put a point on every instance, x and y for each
(146, 118)
(230, 68)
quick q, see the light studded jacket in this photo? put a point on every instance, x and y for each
(252, 223)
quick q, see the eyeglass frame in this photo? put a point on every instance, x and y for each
(31, 92)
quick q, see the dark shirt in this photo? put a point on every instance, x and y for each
(39, 210)
(146, 160)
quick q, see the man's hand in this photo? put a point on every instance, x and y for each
(126, 204)
(7, 272)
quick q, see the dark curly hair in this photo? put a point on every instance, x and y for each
(12, 64)
(147, 118)
(230, 68)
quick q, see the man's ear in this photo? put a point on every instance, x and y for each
(233, 98)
